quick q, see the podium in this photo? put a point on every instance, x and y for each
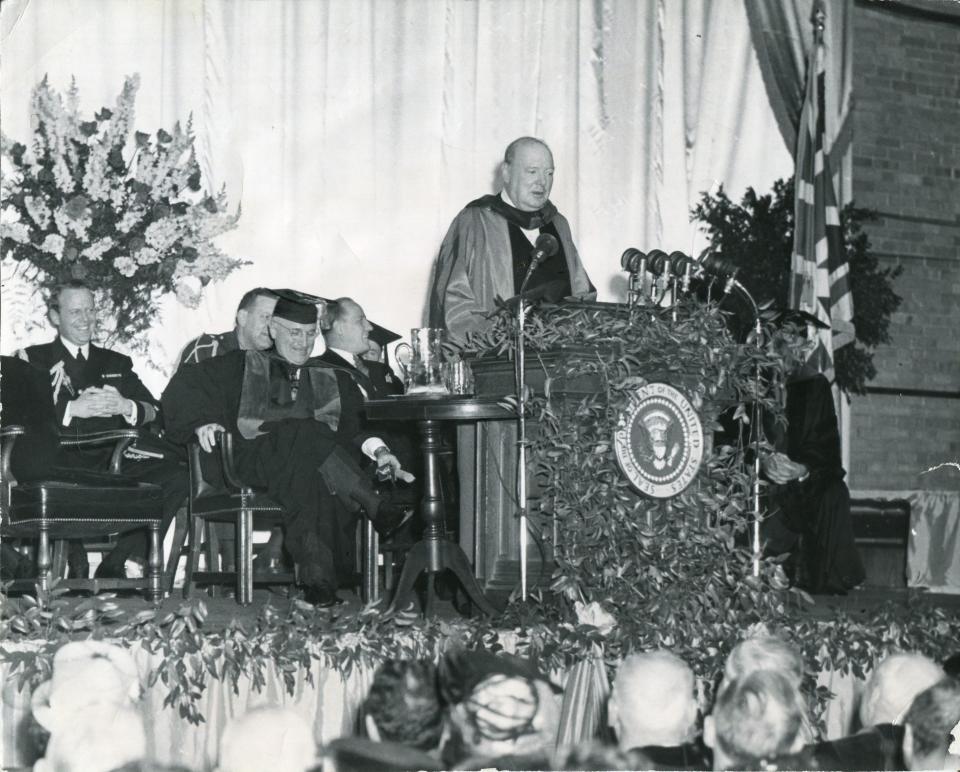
(487, 470)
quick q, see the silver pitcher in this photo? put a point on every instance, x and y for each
(422, 361)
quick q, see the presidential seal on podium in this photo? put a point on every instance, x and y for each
(658, 442)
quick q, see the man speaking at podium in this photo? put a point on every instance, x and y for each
(492, 242)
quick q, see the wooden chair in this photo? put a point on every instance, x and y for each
(217, 495)
(76, 504)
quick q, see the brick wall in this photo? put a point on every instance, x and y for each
(906, 81)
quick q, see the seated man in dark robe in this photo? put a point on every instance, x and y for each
(284, 409)
(96, 389)
(489, 247)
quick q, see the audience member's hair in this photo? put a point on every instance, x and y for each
(277, 739)
(893, 685)
(102, 737)
(503, 714)
(764, 652)
(404, 703)
(933, 714)
(951, 665)
(755, 719)
(250, 297)
(653, 701)
(53, 300)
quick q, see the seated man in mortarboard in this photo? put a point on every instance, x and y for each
(284, 409)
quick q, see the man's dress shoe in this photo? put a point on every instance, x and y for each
(322, 595)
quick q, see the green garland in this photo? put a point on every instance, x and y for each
(682, 583)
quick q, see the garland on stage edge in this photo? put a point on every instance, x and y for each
(188, 656)
(619, 586)
(126, 214)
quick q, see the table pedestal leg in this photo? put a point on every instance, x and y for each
(435, 553)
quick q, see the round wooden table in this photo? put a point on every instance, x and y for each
(434, 553)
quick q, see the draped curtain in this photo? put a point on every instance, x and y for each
(352, 131)
(782, 33)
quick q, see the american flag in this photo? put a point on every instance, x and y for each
(819, 280)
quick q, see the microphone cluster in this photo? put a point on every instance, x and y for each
(673, 272)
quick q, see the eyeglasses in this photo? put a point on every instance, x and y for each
(296, 332)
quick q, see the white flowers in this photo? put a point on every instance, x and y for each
(594, 614)
(125, 266)
(93, 198)
(188, 291)
(54, 244)
(95, 251)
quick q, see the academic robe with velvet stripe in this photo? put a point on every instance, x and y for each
(284, 459)
(475, 266)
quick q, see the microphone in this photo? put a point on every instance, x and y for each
(681, 265)
(716, 267)
(545, 246)
(658, 261)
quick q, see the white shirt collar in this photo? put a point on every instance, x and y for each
(350, 357)
(73, 348)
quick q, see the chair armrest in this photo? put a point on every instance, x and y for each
(226, 459)
(123, 439)
(8, 435)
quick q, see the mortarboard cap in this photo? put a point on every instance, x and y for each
(779, 317)
(296, 306)
(382, 336)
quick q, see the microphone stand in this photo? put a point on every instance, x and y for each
(521, 379)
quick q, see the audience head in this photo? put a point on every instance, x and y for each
(253, 319)
(498, 705)
(764, 652)
(653, 701)
(951, 665)
(87, 675)
(293, 328)
(345, 326)
(72, 311)
(527, 173)
(893, 685)
(277, 739)
(932, 727)
(403, 704)
(101, 738)
(755, 719)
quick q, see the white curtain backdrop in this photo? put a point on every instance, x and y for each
(352, 131)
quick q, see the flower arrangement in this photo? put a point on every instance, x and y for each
(129, 218)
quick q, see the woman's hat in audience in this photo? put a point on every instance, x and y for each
(779, 316)
(461, 670)
(296, 306)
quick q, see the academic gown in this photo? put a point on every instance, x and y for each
(475, 265)
(817, 509)
(284, 459)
